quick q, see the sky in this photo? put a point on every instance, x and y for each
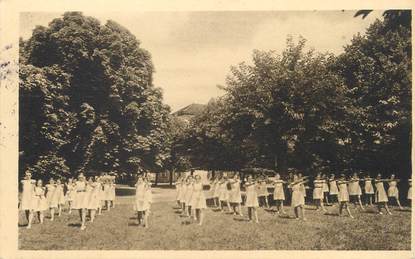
(193, 51)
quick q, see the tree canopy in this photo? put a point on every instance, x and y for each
(87, 100)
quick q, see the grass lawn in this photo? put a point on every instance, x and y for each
(118, 230)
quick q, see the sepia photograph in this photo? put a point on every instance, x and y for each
(215, 130)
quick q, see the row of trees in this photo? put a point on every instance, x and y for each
(88, 103)
(314, 111)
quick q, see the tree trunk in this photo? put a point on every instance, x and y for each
(281, 157)
(156, 180)
(171, 177)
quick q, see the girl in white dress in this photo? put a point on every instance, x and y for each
(369, 190)
(297, 197)
(334, 190)
(318, 194)
(355, 191)
(343, 195)
(70, 193)
(51, 198)
(251, 198)
(188, 195)
(112, 191)
(198, 200)
(107, 192)
(142, 201)
(393, 191)
(235, 197)
(26, 203)
(91, 193)
(60, 197)
(279, 195)
(149, 193)
(262, 191)
(215, 186)
(381, 198)
(178, 185)
(409, 195)
(100, 194)
(183, 194)
(224, 193)
(81, 199)
(326, 189)
(39, 201)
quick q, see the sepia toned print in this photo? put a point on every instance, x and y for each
(254, 130)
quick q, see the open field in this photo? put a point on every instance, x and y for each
(118, 230)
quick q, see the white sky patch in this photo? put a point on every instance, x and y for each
(193, 51)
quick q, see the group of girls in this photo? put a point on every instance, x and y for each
(190, 197)
(143, 200)
(87, 196)
(226, 192)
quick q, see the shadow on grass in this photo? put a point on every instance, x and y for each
(135, 224)
(178, 212)
(74, 225)
(334, 214)
(22, 225)
(240, 219)
(369, 211)
(284, 216)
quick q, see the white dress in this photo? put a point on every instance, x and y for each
(26, 202)
(183, 193)
(107, 192)
(334, 190)
(251, 196)
(58, 195)
(325, 186)
(297, 197)
(380, 195)
(93, 196)
(369, 187)
(354, 187)
(409, 195)
(279, 190)
(178, 190)
(142, 202)
(216, 189)
(39, 199)
(393, 189)
(343, 192)
(71, 192)
(198, 197)
(318, 189)
(112, 192)
(235, 193)
(188, 195)
(223, 191)
(80, 201)
(51, 197)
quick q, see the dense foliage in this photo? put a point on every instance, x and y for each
(315, 111)
(87, 100)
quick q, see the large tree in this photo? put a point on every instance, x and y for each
(377, 68)
(87, 100)
(289, 103)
